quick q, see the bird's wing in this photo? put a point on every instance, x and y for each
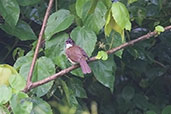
(83, 52)
(75, 54)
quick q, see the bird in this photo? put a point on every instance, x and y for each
(76, 54)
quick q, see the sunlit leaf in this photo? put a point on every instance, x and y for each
(6, 93)
(159, 29)
(102, 55)
(121, 15)
(6, 71)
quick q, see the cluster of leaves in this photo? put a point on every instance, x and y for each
(133, 80)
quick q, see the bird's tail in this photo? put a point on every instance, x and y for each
(84, 66)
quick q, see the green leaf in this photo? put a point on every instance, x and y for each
(150, 112)
(22, 60)
(77, 87)
(102, 55)
(128, 93)
(70, 97)
(83, 36)
(3, 110)
(96, 20)
(104, 71)
(121, 15)
(58, 22)
(5, 95)
(107, 3)
(115, 40)
(79, 7)
(167, 110)
(5, 72)
(44, 68)
(21, 104)
(112, 25)
(40, 106)
(10, 11)
(22, 31)
(17, 82)
(78, 72)
(159, 29)
(27, 2)
(55, 49)
(131, 1)
(24, 70)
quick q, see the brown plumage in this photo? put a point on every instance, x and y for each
(78, 55)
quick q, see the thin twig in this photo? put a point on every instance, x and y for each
(64, 71)
(29, 82)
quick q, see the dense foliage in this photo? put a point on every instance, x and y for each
(134, 80)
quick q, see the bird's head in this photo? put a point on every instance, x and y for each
(69, 43)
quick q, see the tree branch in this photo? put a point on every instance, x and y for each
(29, 82)
(64, 71)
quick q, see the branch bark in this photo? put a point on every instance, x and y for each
(64, 71)
(29, 77)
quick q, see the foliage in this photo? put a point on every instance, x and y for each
(134, 80)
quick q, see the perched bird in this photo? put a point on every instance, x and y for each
(75, 55)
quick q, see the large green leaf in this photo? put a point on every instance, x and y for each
(40, 106)
(57, 22)
(96, 20)
(79, 7)
(85, 38)
(5, 95)
(27, 2)
(6, 71)
(44, 68)
(22, 60)
(70, 97)
(17, 82)
(21, 104)
(115, 40)
(77, 87)
(104, 71)
(55, 49)
(121, 15)
(22, 31)
(10, 11)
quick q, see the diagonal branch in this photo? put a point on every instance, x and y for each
(113, 50)
(29, 83)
